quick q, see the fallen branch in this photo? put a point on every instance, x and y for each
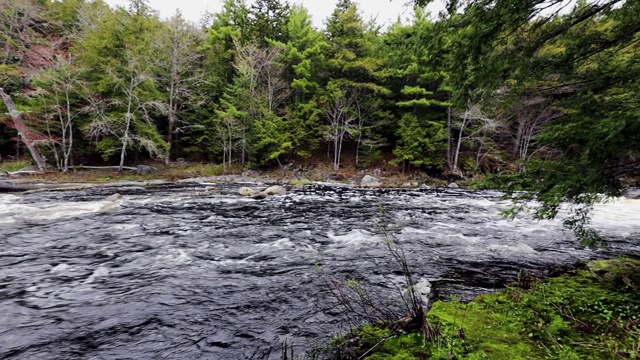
(4, 171)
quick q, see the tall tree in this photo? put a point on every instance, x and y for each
(181, 74)
(304, 61)
(421, 97)
(268, 19)
(123, 58)
(355, 71)
(64, 95)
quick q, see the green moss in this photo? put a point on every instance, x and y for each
(591, 313)
(14, 165)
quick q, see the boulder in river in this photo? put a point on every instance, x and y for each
(275, 190)
(632, 193)
(453, 186)
(247, 191)
(370, 181)
(146, 170)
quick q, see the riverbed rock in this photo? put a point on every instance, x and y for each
(370, 181)
(60, 268)
(247, 191)
(146, 170)
(632, 193)
(453, 186)
(275, 190)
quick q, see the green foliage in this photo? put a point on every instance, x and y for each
(421, 99)
(272, 139)
(268, 19)
(422, 144)
(581, 62)
(14, 165)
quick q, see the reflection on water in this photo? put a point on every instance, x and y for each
(166, 274)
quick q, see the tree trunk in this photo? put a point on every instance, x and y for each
(23, 130)
(458, 145)
(449, 165)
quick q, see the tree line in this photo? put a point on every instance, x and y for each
(545, 88)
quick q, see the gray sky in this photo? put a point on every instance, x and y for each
(385, 11)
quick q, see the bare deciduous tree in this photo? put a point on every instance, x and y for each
(472, 126)
(129, 127)
(337, 107)
(182, 73)
(531, 118)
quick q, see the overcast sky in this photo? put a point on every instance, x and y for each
(385, 11)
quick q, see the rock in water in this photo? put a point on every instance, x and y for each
(632, 193)
(114, 197)
(275, 190)
(260, 196)
(247, 191)
(370, 181)
(453, 186)
(146, 170)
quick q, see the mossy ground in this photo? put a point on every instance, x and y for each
(590, 313)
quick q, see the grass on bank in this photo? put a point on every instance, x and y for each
(590, 313)
(12, 166)
(166, 172)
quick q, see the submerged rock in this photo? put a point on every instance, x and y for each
(260, 196)
(275, 190)
(247, 191)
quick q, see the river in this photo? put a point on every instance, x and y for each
(174, 272)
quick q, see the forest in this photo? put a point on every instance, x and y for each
(543, 90)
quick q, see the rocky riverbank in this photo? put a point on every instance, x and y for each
(145, 176)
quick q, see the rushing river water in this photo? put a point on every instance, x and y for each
(172, 273)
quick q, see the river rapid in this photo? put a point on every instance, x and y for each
(175, 272)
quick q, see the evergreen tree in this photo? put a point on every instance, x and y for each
(421, 97)
(356, 74)
(268, 19)
(305, 66)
